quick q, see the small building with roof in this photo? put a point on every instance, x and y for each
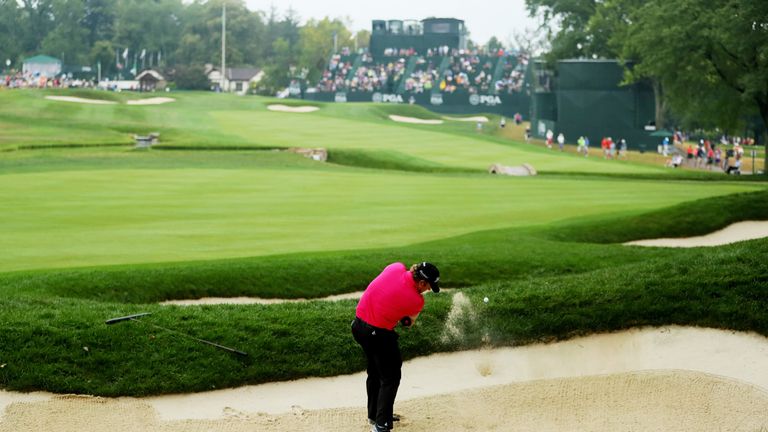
(236, 80)
(42, 65)
(150, 80)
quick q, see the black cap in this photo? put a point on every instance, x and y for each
(428, 272)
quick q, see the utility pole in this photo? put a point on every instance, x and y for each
(223, 43)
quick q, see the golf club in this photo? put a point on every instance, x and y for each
(136, 317)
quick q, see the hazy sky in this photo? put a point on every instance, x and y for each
(483, 18)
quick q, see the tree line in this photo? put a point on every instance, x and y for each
(170, 35)
(706, 59)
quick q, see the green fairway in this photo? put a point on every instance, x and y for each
(82, 217)
(94, 229)
(205, 120)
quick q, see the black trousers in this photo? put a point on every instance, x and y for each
(384, 369)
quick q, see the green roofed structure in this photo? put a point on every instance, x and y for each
(42, 65)
(588, 98)
(420, 36)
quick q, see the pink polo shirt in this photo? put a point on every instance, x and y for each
(390, 297)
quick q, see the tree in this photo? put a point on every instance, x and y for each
(104, 53)
(10, 46)
(68, 38)
(712, 58)
(494, 44)
(190, 78)
(362, 39)
(99, 20)
(573, 39)
(316, 43)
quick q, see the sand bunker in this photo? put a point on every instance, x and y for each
(481, 119)
(80, 100)
(675, 378)
(255, 300)
(286, 108)
(414, 120)
(733, 233)
(151, 101)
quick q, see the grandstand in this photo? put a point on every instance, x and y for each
(426, 63)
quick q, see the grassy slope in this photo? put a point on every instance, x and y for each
(261, 204)
(224, 121)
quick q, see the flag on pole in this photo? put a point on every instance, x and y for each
(134, 70)
(143, 54)
(125, 54)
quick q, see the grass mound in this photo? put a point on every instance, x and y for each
(87, 94)
(387, 160)
(416, 111)
(684, 220)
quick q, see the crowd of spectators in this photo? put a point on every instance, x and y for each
(368, 76)
(470, 71)
(423, 78)
(28, 80)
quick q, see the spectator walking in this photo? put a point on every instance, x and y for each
(623, 148)
(550, 135)
(561, 141)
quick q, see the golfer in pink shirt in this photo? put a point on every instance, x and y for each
(395, 296)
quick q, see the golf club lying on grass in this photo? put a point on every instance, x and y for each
(136, 317)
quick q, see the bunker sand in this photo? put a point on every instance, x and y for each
(413, 120)
(675, 378)
(740, 231)
(80, 100)
(151, 101)
(290, 109)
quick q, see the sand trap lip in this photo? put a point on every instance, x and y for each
(290, 109)
(205, 301)
(255, 300)
(413, 120)
(481, 119)
(681, 354)
(80, 100)
(740, 231)
(151, 101)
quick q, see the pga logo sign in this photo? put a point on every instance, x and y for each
(389, 98)
(487, 100)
